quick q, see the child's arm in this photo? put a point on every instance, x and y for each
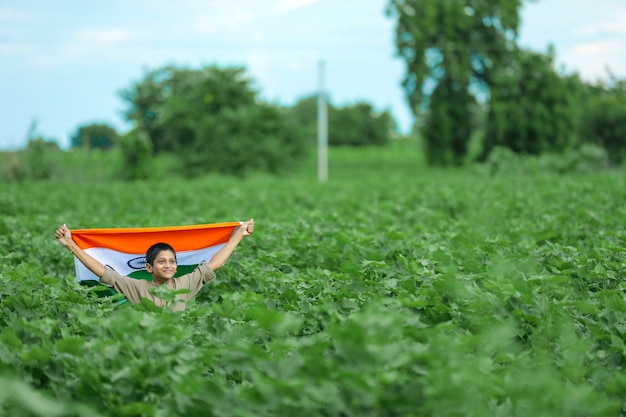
(64, 236)
(246, 229)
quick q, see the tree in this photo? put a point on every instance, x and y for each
(533, 109)
(304, 114)
(168, 98)
(457, 42)
(603, 120)
(448, 125)
(94, 136)
(212, 120)
(137, 154)
(357, 124)
(38, 157)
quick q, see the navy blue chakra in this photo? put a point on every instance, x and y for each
(137, 263)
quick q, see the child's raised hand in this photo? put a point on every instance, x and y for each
(64, 235)
(248, 227)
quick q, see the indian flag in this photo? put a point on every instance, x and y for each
(124, 249)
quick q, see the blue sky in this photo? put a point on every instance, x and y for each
(63, 62)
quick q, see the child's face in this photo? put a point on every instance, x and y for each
(164, 266)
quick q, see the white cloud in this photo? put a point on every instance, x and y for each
(42, 61)
(289, 5)
(13, 15)
(260, 62)
(216, 23)
(591, 59)
(84, 48)
(296, 65)
(596, 48)
(213, 17)
(615, 25)
(589, 36)
(15, 48)
(105, 36)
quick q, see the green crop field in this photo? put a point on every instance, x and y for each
(391, 290)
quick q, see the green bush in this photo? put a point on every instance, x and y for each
(604, 124)
(12, 168)
(240, 141)
(532, 108)
(447, 130)
(95, 136)
(212, 120)
(137, 156)
(357, 124)
(587, 158)
(39, 159)
(88, 165)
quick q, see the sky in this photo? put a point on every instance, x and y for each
(64, 62)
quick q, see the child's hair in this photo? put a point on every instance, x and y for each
(154, 250)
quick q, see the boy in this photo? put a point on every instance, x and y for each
(161, 264)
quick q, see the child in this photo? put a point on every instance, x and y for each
(161, 264)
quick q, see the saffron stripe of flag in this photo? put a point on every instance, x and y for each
(124, 249)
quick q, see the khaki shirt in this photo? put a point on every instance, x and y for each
(137, 289)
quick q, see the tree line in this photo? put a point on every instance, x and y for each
(466, 77)
(214, 120)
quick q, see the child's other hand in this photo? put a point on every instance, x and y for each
(247, 228)
(64, 235)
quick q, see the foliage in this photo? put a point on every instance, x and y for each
(38, 158)
(246, 139)
(94, 136)
(178, 96)
(36, 162)
(604, 119)
(460, 40)
(88, 165)
(304, 114)
(532, 108)
(448, 126)
(12, 167)
(390, 290)
(357, 124)
(212, 120)
(586, 158)
(137, 156)
(23, 401)
(451, 43)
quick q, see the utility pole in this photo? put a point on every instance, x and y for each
(322, 129)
